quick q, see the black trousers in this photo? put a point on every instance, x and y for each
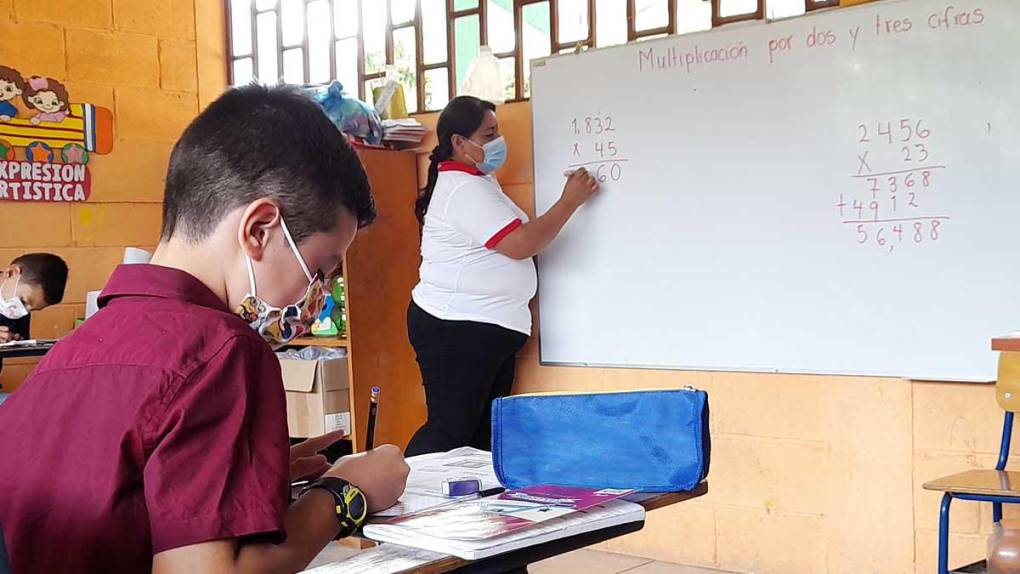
(464, 367)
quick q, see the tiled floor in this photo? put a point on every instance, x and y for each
(586, 561)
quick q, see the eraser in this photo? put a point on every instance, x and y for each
(461, 487)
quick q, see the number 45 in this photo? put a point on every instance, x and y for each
(602, 149)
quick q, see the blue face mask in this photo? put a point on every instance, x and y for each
(495, 155)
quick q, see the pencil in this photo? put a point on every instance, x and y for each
(373, 412)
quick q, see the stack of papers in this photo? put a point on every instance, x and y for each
(425, 483)
(408, 131)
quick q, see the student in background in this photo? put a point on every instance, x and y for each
(469, 313)
(170, 451)
(33, 282)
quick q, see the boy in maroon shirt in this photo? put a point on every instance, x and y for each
(154, 438)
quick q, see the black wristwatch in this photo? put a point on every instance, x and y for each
(351, 506)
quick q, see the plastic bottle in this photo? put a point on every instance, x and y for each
(484, 78)
(1004, 548)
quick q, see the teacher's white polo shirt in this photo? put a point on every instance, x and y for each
(463, 277)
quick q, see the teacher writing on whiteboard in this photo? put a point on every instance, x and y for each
(469, 313)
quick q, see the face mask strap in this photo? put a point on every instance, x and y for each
(293, 247)
(251, 276)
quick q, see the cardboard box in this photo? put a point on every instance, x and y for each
(318, 396)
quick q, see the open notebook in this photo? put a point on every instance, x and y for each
(472, 531)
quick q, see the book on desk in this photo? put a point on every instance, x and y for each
(472, 531)
(473, 528)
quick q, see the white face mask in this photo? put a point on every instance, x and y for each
(12, 307)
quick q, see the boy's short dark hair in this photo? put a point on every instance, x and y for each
(45, 270)
(13, 76)
(256, 142)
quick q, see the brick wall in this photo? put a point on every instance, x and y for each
(153, 63)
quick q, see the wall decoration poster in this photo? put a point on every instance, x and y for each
(46, 140)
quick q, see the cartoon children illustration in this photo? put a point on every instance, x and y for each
(48, 97)
(11, 86)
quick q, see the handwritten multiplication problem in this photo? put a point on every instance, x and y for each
(595, 147)
(888, 204)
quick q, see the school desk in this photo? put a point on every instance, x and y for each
(438, 564)
(37, 350)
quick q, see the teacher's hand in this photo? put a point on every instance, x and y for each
(580, 186)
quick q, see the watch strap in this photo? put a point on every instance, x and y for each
(350, 503)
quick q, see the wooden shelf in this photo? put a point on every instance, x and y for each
(319, 342)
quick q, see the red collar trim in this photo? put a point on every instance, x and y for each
(453, 165)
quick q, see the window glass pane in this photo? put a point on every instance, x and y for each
(405, 60)
(610, 22)
(650, 14)
(501, 25)
(240, 27)
(345, 18)
(318, 41)
(433, 21)
(244, 73)
(294, 66)
(737, 7)
(437, 89)
(347, 65)
(466, 35)
(269, 73)
(506, 65)
(293, 27)
(573, 20)
(402, 11)
(374, 30)
(536, 39)
(265, 4)
(693, 16)
(783, 8)
(464, 4)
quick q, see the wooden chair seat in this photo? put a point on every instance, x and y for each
(983, 482)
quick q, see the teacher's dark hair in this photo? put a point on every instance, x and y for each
(462, 116)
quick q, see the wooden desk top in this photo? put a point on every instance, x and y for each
(1006, 344)
(398, 560)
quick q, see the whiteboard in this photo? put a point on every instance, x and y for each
(835, 193)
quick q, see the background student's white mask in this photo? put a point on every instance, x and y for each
(12, 307)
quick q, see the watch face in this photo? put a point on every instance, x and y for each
(356, 507)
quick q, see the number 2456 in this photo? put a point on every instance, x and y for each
(909, 130)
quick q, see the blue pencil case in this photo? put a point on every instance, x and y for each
(654, 441)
